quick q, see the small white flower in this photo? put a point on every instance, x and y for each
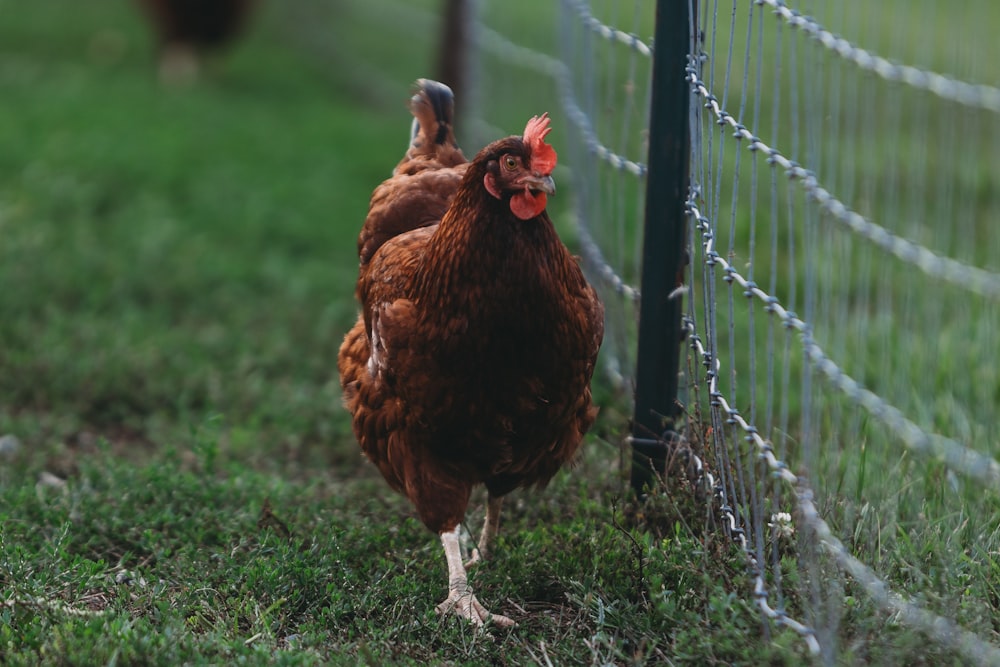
(781, 524)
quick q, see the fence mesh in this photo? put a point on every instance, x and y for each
(845, 289)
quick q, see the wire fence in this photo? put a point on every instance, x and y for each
(843, 292)
(834, 274)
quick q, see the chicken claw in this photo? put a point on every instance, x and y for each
(465, 605)
(461, 601)
(475, 559)
(490, 527)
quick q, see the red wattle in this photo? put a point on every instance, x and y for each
(526, 205)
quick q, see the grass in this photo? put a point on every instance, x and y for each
(168, 562)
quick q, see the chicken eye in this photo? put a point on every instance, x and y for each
(509, 163)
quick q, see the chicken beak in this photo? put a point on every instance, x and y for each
(539, 183)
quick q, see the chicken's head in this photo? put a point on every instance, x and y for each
(522, 170)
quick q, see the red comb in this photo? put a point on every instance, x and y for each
(543, 156)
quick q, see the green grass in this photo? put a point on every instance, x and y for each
(168, 562)
(175, 253)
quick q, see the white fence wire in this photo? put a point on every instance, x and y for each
(716, 172)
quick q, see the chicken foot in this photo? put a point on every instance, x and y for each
(461, 600)
(490, 528)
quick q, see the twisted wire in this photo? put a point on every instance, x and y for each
(983, 282)
(978, 96)
(953, 454)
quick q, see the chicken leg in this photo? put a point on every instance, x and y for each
(461, 600)
(490, 527)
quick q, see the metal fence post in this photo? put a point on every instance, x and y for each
(663, 252)
(454, 51)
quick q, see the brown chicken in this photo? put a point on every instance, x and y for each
(188, 29)
(472, 358)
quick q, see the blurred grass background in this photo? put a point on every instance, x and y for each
(172, 254)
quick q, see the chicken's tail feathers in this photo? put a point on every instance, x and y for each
(433, 108)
